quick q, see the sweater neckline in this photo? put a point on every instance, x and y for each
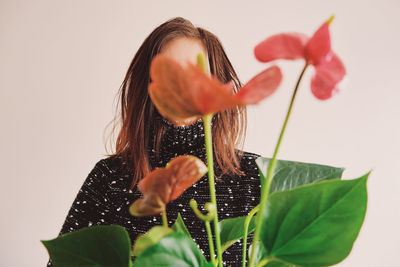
(176, 141)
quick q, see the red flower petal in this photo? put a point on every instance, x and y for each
(151, 205)
(164, 185)
(156, 183)
(207, 93)
(182, 94)
(167, 90)
(281, 46)
(261, 86)
(327, 75)
(319, 45)
(185, 171)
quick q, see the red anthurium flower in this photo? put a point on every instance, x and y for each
(315, 50)
(164, 185)
(184, 93)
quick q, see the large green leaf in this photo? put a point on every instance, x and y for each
(290, 174)
(262, 253)
(173, 250)
(150, 238)
(232, 229)
(180, 227)
(315, 224)
(278, 264)
(103, 245)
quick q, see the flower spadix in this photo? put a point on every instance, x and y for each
(182, 94)
(316, 51)
(164, 185)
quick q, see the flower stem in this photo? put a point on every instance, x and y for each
(210, 163)
(164, 218)
(210, 242)
(270, 171)
(246, 230)
(263, 262)
(206, 218)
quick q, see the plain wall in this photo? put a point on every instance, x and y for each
(62, 62)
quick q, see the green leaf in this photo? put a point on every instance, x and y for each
(180, 227)
(262, 254)
(232, 229)
(315, 224)
(290, 174)
(278, 264)
(150, 238)
(102, 245)
(173, 250)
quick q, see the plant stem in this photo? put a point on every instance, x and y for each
(206, 218)
(263, 262)
(164, 218)
(210, 163)
(210, 242)
(246, 230)
(270, 170)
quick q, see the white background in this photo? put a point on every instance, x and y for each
(62, 62)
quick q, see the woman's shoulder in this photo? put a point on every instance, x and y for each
(248, 156)
(246, 187)
(111, 163)
(109, 172)
(248, 160)
(249, 167)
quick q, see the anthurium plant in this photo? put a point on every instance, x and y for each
(307, 215)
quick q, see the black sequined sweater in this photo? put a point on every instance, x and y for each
(105, 197)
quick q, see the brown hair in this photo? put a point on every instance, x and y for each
(137, 110)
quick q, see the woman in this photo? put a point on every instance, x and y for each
(146, 141)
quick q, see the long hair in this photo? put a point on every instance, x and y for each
(137, 112)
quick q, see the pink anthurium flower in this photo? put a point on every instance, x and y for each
(182, 94)
(329, 69)
(164, 185)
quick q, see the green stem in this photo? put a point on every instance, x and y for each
(206, 218)
(164, 218)
(210, 242)
(263, 262)
(210, 163)
(270, 170)
(246, 231)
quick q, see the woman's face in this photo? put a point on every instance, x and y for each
(184, 50)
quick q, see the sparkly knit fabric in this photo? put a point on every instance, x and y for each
(104, 197)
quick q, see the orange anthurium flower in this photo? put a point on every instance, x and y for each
(329, 69)
(184, 93)
(164, 185)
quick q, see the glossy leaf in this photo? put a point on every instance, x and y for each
(232, 229)
(91, 246)
(173, 250)
(262, 254)
(150, 238)
(279, 264)
(180, 227)
(290, 174)
(164, 185)
(315, 224)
